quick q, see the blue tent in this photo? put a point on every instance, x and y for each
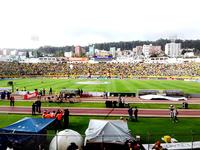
(25, 132)
(30, 125)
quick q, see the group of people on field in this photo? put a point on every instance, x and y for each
(173, 113)
(36, 107)
(62, 117)
(132, 112)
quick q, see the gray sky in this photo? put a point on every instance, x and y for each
(34, 23)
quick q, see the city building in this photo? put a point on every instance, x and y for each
(173, 49)
(91, 51)
(189, 54)
(8, 52)
(137, 51)
(149, 50)
(79, 51)
(68, 54)
(119, 52)
(113, 51)
(101, 53)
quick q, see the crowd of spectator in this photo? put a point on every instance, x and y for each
(13, 69)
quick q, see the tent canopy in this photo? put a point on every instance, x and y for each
(107, 131)
(161, 97)
(30, 125)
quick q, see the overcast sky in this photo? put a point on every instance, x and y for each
(34, 23)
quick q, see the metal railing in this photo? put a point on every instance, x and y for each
(29, 141)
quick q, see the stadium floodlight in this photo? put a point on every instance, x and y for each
(11, 83)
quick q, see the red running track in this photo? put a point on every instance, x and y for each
(107, 111)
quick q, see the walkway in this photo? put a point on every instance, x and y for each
(106, 111)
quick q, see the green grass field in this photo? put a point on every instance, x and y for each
(113, 85)
(150, 129)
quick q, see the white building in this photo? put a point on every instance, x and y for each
(148, 50)
(101, 53)
(113, 51)
(48, 60)
(119, 52)
(91, 50)
(30, 60)
(137, 50)
(68, 54)
(189, 54)
(173, 49)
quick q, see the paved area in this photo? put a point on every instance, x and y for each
(106, 111)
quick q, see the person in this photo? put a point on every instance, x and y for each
(185, 105)
(81, 92)
(36, 105)
(50, 91)
(48, 115)
(43, 92)
(39, 106)
(72, 146)
(9, 146)
(53, 114)
(44, 114)
(120, 101)
(137, 145)
(128, 145)
(33, 109)
(130, 113)
(66, 118)
(40, 93)
(8, 95)
(114, 104)
(24, 89)
(105, 95)
(59, 116)
(12, 101)
(78, 92)
(175, 113)
(171, 108)
(136, 113)
(157, 146)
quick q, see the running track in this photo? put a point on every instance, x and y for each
(106, 111)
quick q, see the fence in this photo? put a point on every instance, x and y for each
(53, 141)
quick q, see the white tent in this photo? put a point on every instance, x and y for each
(162, 97)
(107, 131)
(64, 138)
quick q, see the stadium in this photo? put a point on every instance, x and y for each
(99, 75)
(101, 92)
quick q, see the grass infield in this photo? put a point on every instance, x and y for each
(150, 129)
(100, 85)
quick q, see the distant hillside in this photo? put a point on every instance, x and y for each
(123, 45)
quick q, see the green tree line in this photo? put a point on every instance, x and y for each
(123, 45)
